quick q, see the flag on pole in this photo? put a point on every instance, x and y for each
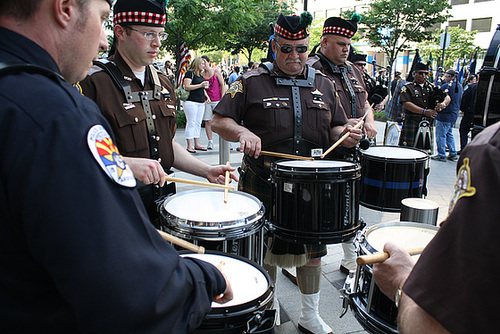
(185, 56)
(374, 64)
(461, 72)
(472, 65)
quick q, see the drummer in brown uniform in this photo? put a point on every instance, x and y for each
(419, 113)
(350, 88)
(140, 104)
(285, 107)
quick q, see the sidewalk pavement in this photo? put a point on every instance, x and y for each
(440, 184)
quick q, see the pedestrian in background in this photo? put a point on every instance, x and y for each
(215, 91)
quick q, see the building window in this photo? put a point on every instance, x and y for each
(462, 24)
(459, 2)
(481, 25)
(481, 0)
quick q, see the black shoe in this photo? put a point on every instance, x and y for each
(438, 158)
(452, 157)
(289, 275)
(344, 270)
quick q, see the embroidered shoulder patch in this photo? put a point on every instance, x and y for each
(463, 186)
(236, 87)
(107, 156)
(403, 89)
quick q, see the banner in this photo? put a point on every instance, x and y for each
(185, 56)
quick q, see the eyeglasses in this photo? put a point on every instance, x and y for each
(360, 64)
(150, 35)
(289, 48)
(422, 73)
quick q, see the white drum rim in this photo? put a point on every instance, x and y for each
(226, 225)
(269, 284)
(371, 152)
(316, 166)
(419, 203)
(365, 233)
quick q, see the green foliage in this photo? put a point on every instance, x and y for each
(316, 31)
(393, 24)
(205, 23)
(181, 119)
(380, 116)
(461, 46)
(255, 36)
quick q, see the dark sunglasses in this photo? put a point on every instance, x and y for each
(422, 73)
(289, 48)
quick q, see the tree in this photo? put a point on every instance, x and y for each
(461, 46)
(205, 23)
(393, 24)
(256, 35)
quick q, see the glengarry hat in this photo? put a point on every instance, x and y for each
(293, 27)
(339, 26)
(140, 12)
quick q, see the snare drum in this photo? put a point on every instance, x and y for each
(253, 293)
(390, 174)
(316, 202)
(371, 307)
(202, 217)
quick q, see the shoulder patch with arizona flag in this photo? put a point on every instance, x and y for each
(106, 154)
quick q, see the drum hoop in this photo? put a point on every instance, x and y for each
(365, 154)
(225, 226)
(351, 168)
(368, 247)
(249, 306)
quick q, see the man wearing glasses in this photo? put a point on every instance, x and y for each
(285, 107)
(140, 104)
(416, 98)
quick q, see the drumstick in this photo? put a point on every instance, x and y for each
(182, 243)
(226, 191)
(341, 139)
(382, 256)
(198, 183)
(221, 264)
(287, 156)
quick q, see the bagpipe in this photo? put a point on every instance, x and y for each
(437, 94)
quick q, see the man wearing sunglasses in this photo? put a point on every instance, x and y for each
(350, 87)
(285, 107)
(419, 110)
(140, 104)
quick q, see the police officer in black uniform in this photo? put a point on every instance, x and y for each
(79, 253)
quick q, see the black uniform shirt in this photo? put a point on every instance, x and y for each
(77, 252)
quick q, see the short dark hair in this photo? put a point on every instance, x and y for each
(206, 58)
(25, 9)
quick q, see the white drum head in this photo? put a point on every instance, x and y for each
(406, 235)
(248, 282)
(392, 152)
(314, 164)
(208, 206)
(419, 203)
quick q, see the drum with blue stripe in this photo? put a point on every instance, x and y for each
(390, 174)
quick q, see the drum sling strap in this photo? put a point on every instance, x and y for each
(295, 84)
(149, 193)
(6, 69)
(343, 72)
(133, 97)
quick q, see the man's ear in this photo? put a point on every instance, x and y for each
(64, 10)
(119, 31)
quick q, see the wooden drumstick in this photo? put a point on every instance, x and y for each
(382, 256)
(341, 139)
(182, 243)
(226, 191)
(286, 156)
(283, 155)
(198, 183)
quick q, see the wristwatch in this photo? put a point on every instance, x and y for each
(397, 297)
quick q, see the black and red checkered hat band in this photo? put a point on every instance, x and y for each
(140, 18)
(288, 35)
(338, 31)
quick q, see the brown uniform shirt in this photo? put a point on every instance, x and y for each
(454, 278)
(357, 82)
(266, 109)
(421, 96)
(128, 120)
